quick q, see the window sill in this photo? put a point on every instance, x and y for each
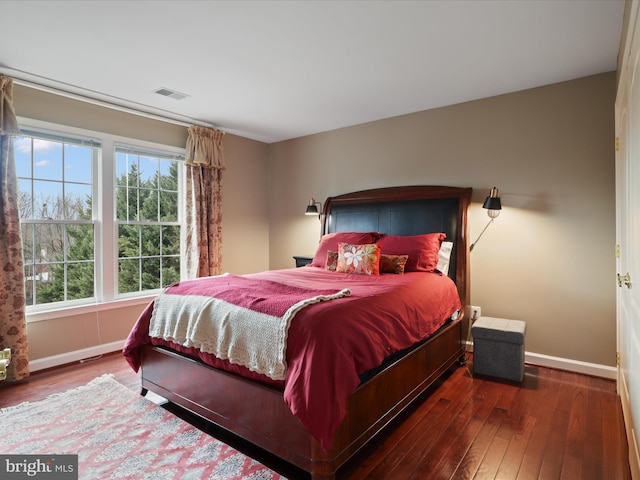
(58, 313)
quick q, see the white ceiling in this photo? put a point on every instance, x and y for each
(275, 70)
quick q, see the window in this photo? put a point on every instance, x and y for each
(55, 200)
(101, 219)
(147, 199)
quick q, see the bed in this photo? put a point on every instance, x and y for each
(263, 411)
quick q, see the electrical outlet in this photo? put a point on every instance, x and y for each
(476, 313)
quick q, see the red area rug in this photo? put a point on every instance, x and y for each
(119, 434)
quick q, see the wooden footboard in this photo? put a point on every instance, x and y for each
(258, 413)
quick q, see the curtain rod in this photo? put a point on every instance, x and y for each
(187, 122)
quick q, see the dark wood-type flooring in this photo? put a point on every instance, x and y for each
(554, 425)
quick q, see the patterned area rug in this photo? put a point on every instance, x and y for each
(119, 434)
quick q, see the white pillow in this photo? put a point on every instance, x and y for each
(443, 257)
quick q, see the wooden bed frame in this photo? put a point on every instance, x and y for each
(258, 413)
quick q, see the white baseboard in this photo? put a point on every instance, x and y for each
(567, 364)
(634, 456)
(75, 356)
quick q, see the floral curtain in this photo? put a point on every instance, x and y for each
(205, 162)
(13, 325)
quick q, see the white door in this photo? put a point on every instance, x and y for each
(628, 236)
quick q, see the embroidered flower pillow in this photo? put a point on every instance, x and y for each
(362, 259)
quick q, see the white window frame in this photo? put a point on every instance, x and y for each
(106, 232)
(65, 139)
(164, 154)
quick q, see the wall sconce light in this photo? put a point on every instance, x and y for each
(493, 206)
(312, 208)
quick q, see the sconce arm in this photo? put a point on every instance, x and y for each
(481, 233)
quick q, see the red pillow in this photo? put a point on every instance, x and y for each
(331, 240)
(422, 250)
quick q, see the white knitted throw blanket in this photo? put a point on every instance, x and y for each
(242, 320)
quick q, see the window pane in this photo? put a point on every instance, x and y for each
(169, 177)
(77, 163)
(48, 202)
(149, 205)
(150, 273)
(170, 240)
(80, 281)
(151, 240)
(128, 241)
(128, 275)
(49, 283)
(169, 206)
(148, 170)
(170, 270)
(49, 242)
(80, 243)
(77, 202)
(47, 159)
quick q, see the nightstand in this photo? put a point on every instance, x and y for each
(302, 260)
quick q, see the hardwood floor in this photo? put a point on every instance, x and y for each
(555, 425)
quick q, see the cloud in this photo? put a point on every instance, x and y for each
(44, 145)
(23, 145)
(43, 163)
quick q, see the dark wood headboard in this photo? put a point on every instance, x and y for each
(410, 210)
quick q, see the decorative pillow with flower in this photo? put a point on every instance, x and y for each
(362, 259)
(393, 263)
(332, 261)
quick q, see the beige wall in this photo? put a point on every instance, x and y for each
(548, 259)
(245, 214)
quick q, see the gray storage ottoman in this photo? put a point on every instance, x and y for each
(498, 348)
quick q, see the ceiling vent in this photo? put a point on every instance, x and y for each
(166, 92)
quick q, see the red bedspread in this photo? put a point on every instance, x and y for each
(331, 344)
